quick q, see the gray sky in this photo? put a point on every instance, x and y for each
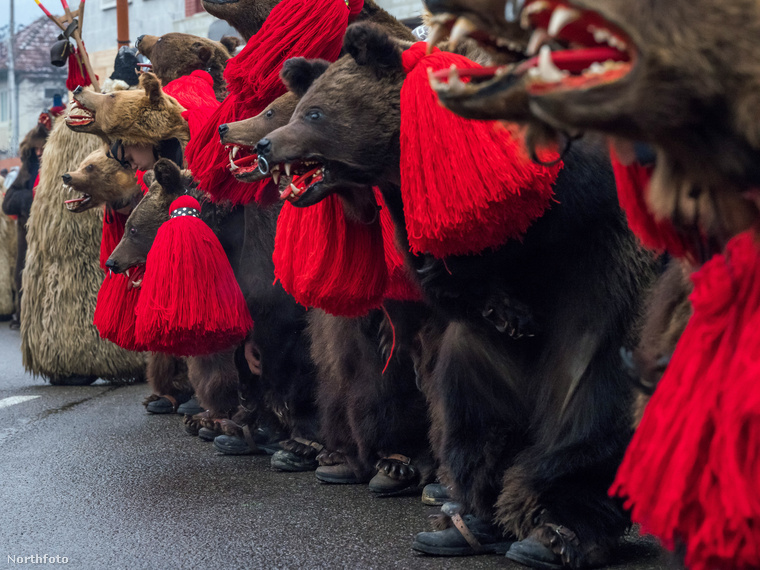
(27, 10)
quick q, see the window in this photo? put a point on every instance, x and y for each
(4, 111)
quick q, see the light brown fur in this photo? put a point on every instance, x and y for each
(135, 116)
(63, 275)
(104, 180)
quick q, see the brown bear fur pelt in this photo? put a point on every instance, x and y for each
(7, 264)
(368, 412)
(62, 277)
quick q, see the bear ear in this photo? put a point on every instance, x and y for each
(152, 86)
(231, 43)
(370, 46)
(299, 73)
(168, 176)
(204, 53)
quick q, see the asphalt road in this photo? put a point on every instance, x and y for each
(87, 474)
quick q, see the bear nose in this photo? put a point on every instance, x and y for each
(78, 90)
(264, 146)
(112, 265)
(223, 130)
(66, 178)
(138, 40)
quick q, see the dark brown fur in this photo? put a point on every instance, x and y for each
(555, 406)
(692, 94)
(366, 414)
(167, 375)
(667, 313)
(174, 55)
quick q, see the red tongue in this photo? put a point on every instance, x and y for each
(574, 61)
(577, 60)
(465, 72)
(74, 201)
(246, 160)
(300, 182)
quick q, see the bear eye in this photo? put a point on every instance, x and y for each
(89, 168)
(314, 115)
(133, 231)
(269, 114)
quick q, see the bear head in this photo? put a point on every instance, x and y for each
(174, 55)
(100, 180)
(137, 116)
(344, 132)
(678, 75)
(167, 182)
(240, 138)
(246, 16)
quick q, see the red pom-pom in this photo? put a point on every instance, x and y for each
(186, 202)
(190, 302)
(466, 185)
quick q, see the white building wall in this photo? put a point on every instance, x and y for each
(150, 17)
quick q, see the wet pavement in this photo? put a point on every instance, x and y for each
(87, 474)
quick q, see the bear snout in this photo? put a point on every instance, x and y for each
(78, 90)
(263, 147)
(223, 130)
(66, 178)
(112, 265)
(138, 40)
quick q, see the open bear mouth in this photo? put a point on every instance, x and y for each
(458, 28)
(244, 164)
(135, 275)
(79, 115)
(598, 52)
(591, 52)
(76, 203)
(304, 175)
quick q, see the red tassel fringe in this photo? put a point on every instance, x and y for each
(195, 92)
(294, 28)
(117, 300)
(77, 77)
(467, 185)
(326, 261)
(190, 302)
(692, 472)
(633, 186)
